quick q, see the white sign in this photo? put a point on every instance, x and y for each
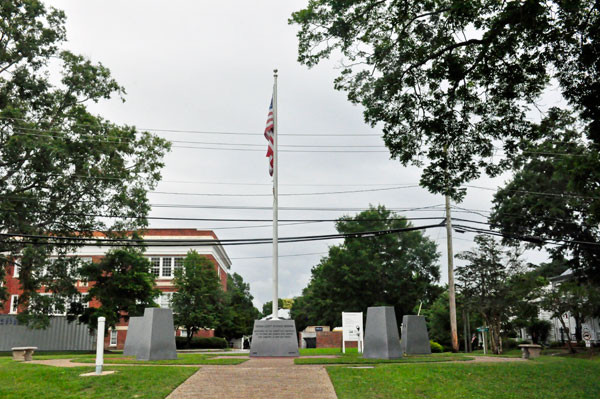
(352, 326)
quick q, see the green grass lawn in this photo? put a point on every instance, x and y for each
(24, 381)
(353, 357)
(182, 358)
(325, 351)
(545, 377)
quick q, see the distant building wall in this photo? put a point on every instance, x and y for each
(333, 339)
(60, 335)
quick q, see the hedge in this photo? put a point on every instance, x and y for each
(201, 343)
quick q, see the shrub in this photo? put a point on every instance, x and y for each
(435, 347)
(201, 343)
(509, 343)
(539, 330)
(556, 344)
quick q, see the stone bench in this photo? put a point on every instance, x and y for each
(23, 353)
(530, 351)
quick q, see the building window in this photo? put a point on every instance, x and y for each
(53, 309)
(164, 301)
(166, 267)
(155, 266)
(113, 337)
(183, 333)
(178, 263)
(16, 270)
(14, 304)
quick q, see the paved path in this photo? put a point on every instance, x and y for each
(258, 378)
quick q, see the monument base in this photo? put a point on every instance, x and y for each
(274, 338)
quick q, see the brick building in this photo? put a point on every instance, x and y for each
(163, 262)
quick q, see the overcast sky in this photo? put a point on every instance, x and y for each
(207, 66)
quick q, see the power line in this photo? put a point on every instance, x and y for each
(112, 242)
(219, 132)
(93, 138)
(282, 194)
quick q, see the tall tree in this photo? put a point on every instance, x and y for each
(123, 285)
(395, 270)
(451, 79)
(572, 298)
(554, 196)
(198, 300)
(239, 312)
(494, 282)
(64, 172)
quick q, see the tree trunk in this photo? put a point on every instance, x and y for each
(189, 332)
(578, 328)
(566, 329)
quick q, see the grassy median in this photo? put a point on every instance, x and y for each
(545, 377)
(24, 381)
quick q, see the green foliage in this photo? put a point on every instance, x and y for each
(539, 330)
(435, 347)
(123, 285)
(494, 282)
(556, 197)
(198, 298)
(201, 343)
(62, 168)
(239, 312)
(437, 316)
(451, 79)
(395, 270)
(579, 299)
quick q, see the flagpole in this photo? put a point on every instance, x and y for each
(275, 205)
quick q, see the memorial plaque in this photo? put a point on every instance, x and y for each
(274, 338)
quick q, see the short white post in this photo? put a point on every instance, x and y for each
(100, 345)
(484, 342)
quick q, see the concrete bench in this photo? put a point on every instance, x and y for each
(23, 353)
(530, 351)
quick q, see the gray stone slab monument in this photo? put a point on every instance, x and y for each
(152, 337)
(274, 338)
(381, 334)
(415, 338)
(133, 336)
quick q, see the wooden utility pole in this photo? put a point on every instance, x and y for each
(451, 292)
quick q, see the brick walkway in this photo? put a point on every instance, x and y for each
(258, 378)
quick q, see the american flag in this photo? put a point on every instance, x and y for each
(269, 132)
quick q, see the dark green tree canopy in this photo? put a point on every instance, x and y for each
(62, 168)
(239, 312)
(395, 270)
(198, 300)
(555, 195)
(451, 79)
(123, 285)
(496, 283)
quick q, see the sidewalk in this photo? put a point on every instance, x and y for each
(276, 378)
